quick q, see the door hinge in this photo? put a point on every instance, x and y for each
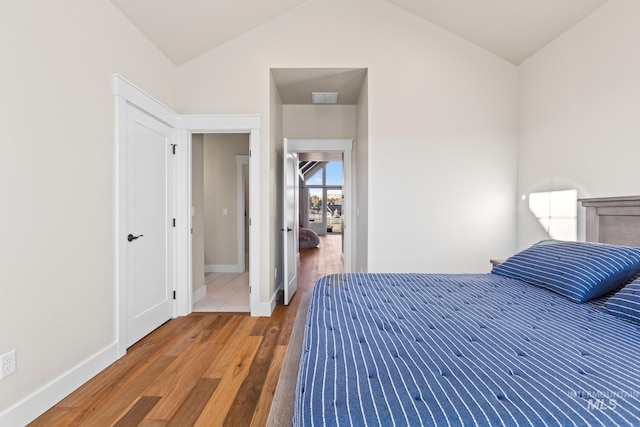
(249, 153)
(174, 294)
(173, 148)
(174, 222)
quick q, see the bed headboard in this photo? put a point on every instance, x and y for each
(614, 220)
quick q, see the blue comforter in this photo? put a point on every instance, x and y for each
(428, 349)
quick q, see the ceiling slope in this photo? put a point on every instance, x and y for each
(511, 29)
(185, 29)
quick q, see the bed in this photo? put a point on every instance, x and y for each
(549, 337)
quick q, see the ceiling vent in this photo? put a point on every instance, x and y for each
(324, 97)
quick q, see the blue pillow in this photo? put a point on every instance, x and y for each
(626, 302)
(577, 270)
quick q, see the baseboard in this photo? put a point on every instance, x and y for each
(30, 408)
(223, 268)
(198, 294)
(265, 309)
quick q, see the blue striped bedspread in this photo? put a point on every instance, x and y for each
(467, 349)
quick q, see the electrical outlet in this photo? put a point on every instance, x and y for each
(8, 364)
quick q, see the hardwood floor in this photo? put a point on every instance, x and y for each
(205, 369)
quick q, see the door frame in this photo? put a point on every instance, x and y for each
(180, 257)
(203, 124)
(129, 95)
(241, 162)
(344, 146)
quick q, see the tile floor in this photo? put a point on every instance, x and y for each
(225, 292)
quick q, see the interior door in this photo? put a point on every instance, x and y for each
(290, 229)
(149, 288)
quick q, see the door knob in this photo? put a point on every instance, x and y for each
(131, 237)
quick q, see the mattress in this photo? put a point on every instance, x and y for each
(464, 349)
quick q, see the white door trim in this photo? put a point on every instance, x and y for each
(241, 161)
(217, 124)
(127, 94)
(183, 125)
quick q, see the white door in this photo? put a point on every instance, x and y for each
(148, 223)
(290, 217)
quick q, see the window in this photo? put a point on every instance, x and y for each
(557, 212)
(325, 198)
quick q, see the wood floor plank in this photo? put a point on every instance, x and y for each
(138, 357)
(229, 329)
(105, 412)
(153, 423)
(241, 411)
(180, 378)
(195, 402)
(219, 322)
(224, 359)
(234, 375)
(138, 411)
(261, 412)
(188, 332)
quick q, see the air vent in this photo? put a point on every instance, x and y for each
(324, 97)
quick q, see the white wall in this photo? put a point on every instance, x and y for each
(57, 180)
(272, 272)
(361, 167)
(580, 112)
(442, 126)
(319, 121)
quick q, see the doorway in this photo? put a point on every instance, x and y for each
(220, 168)
(325, 150)
(321, 191)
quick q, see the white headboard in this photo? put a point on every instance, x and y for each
(614, 220)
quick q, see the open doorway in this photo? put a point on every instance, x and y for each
(220, 170)
(321, 195)
(299, 199)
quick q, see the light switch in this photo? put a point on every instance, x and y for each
(225, 211)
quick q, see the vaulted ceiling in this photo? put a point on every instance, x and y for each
(511, 29)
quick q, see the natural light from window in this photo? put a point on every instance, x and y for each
(325, 198)
(557, 212)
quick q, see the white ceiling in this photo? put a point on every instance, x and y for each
(185, 29)
(511, 29)
(296, 84)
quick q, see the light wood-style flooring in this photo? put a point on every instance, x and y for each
(205, 369)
